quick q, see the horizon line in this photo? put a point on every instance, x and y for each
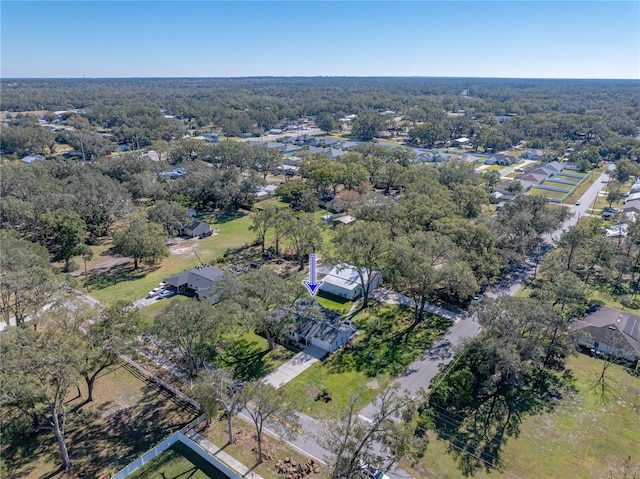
(306, 77)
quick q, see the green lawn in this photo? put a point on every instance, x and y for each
(576, 439)
(128, 416)
(547, 193)
(334, 303)
(584, 186)
(596, 294)
(176, 462)
(249, 356)
(384, 348)
(121, 282)
(495, 168)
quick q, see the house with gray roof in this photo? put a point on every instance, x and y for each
(610, 331)
(198, 281)
(333, 153)
(32, 159)
(502, 160)
(318, 326)
(195, 228)
(533, 154)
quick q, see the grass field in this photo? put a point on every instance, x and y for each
(127, 417)
(384, 348)
(577, 439)
(121, 282)
(334, 303)
(547, 193)
(176, 462)
(590, 178)
(495, 168)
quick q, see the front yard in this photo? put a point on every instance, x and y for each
(580, 437)
(386, 344)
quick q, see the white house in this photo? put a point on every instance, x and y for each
(344, 281)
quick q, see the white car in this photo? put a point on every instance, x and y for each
(578, 203)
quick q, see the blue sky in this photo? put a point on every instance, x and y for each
(527, 39)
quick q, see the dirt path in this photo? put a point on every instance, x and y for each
(103, 265)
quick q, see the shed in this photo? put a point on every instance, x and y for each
(196, 228)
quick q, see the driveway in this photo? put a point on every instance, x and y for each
(295, 366)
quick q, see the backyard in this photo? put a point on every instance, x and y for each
(581, 436)
(386, 344)
(127, 417)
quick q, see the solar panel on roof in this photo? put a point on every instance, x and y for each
(631, 330)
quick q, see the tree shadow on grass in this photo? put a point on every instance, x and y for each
(225, 218)
(103, 278)
(478, 433)
(248, 360)
(105, 435)
(388, 343)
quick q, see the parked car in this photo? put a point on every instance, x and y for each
(478, 298)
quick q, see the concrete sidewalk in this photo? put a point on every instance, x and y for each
(295, 366)
(225, 458)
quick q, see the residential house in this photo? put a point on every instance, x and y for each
(535, 178)
(333, 153)
(288, 149)
(467, 158)
(464, 141)
(195, 228)
(502, 160)
(32, 159)
(319, 327)
(549, 169)
(571, 166)
(635, 188)
(535, 155)
(434, 156)
(288, 169)
(265, 191)
(344, 281)
(631, 206)
(345, 219)
(316, 149)
(610, 331)
(199, 281)
(151, 154)
(348, 145)
(175, 173)
(633, 196)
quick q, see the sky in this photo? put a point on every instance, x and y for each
(511, 39)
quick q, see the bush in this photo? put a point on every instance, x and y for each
(73, 266)
(323, 396)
